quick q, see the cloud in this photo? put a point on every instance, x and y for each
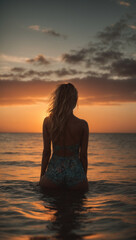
(40, 60)
(24, 92)
(116, 36)
(15, 59)
(132, 38)
(67, 72)
(48, 31)
(18, 69)
(93, 55)
(22, 73)
(127, 4)
(106, 47)
(113, 44)
(124, 68)
(104, 57)
(133, 26)
(34, 27)
(7, 75)
(78, 56)
(113, 32)
(53, 33)
(92, 90)
(73, 58)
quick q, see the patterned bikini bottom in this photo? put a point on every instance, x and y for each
(65, 170)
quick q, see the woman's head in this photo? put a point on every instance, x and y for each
(65, 97)
(64, 100)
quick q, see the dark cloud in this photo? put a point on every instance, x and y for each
(124, 67)
(100, 90)
(25, 74)
(40, 59)
(60, 72)
(132, 38)
(80, 56)
(92, 90)
(104, 57)
(119, 34)
(7, 75)
(46, 30)
(15, 92)
(110, 45)
(116, 66)
(99, 87)
(93, 56)
(114, 32)
(53, 33)
(67, 72)
(32, 73)
(73, 58)
(18, 69)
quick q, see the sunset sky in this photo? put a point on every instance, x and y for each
(90, 43)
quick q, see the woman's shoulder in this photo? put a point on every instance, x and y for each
(81, 121)
(81, 124)
(46, 121)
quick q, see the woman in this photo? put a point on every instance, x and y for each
(69, 137)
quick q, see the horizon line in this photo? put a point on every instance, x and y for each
(89, 132)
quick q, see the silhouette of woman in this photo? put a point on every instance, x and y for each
(67, 166)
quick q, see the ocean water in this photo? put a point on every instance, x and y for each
(106, 212)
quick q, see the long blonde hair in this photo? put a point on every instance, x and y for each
(63, 101)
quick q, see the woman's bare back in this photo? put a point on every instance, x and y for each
(72, 135)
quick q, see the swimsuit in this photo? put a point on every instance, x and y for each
(66, 170)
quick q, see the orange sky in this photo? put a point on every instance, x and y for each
(29, 118)
(105, 108)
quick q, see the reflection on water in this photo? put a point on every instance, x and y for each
(67, 209)
(106, 211)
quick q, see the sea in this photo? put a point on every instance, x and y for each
(107, 211)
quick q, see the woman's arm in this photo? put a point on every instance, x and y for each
(46, 147)
(84, 146)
